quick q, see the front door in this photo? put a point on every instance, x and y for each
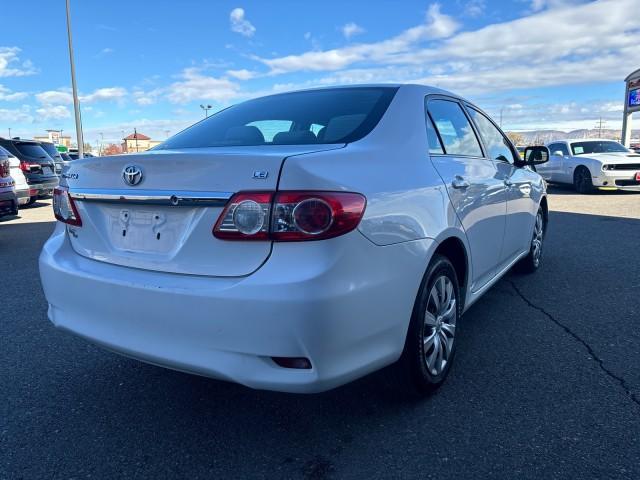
(521, 208)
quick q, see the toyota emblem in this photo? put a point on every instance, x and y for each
(132, 175)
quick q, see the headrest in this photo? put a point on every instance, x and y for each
(247, 135)
(297, 137)
(340, 127)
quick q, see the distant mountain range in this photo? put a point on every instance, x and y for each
(545, 136)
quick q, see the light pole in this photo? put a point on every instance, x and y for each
(76, 103)
(9, 133)
(101, 143)
(501, 110)
(206, 109)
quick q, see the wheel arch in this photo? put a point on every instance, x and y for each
(454, 249)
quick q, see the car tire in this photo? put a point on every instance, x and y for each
(582, 180)
(532, 261)
(431, 339)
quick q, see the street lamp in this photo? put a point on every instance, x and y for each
(74, 88)
(206, 109)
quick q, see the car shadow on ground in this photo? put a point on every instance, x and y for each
(562, 189)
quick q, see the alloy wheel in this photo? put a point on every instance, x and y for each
(536, 243)
(439, 325)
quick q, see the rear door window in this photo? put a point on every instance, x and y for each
(453, 127)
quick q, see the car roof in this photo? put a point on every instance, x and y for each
(418, 88)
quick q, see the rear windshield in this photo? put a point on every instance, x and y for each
(339, 115)
(4, 151)
(33, 150)
(50, 149)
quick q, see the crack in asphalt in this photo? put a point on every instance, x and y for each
(621, 381)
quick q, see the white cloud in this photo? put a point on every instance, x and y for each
(196, 86)
(7, 95)
(11, 66)
(52, 112)
(351, 29)
(55, 97)
(14, 116)
(436, 26)
(240, 24)
(147, 98)
(474, 8)
(64, 97)
(105, 94)
(537, 5)
(106, 51)
(242, 74)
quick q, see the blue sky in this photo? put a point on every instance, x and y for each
(543, 63)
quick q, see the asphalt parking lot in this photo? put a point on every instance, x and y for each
(546, 383)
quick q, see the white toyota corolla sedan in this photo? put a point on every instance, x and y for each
(590, 164)
(298, 241)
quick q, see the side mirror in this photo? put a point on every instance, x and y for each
(558, 153)
(536, 155)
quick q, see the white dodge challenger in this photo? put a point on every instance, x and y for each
(591, 164)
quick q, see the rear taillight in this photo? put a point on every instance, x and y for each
(289, 216)
(64, 208)
(5, 169)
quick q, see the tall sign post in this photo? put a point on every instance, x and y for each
(631, 104)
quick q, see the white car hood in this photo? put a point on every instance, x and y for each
(617, 158)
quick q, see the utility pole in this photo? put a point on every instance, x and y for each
(166, 132)
(501, 110)
(600, 125)
(101, 143)
(9, 133)
(135, 135)
(206, 109)
(76, 103)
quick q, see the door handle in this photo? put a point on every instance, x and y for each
(459, 182)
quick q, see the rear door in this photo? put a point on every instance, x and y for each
(164, 222)
(474, 185)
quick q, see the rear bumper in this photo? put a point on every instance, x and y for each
(23, 196)
(8, 202)
(44, 187)
(334, 302)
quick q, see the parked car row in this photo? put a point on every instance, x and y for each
(28, 170)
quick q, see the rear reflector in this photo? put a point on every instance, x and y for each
(289, 216)
(64, 208)
(299, 363)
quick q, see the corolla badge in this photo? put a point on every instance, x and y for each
(132, 175)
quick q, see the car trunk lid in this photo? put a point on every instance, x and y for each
(164, 222)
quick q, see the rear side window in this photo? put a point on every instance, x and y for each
(50, 149)
(494, 141)
(337, 115)
(456, 133)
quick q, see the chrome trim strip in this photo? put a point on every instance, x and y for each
(153, 197)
